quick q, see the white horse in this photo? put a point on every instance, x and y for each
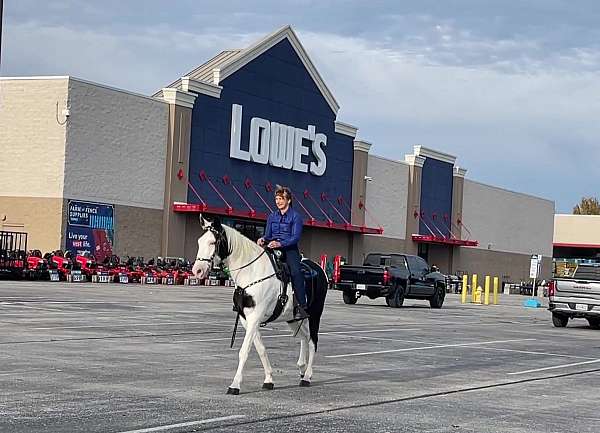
(252, 270)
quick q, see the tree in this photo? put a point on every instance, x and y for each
(587, 206)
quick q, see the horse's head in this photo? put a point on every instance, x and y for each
(212, 247)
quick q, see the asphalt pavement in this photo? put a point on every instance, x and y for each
(137, 358)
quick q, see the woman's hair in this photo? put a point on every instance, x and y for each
(283, 191)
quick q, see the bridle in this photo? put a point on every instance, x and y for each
(220, 242)
(219, 239)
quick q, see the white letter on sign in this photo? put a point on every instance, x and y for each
(286, 135)
(317, 149)
(300, 149)
(235, 150)
(278, 144)
(260, 136)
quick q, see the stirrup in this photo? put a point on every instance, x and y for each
(300, 313)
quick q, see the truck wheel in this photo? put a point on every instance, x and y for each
(437, 300)
(559, 320)
(389, 300)
(594, 322)
(350, 297)
(396, 299)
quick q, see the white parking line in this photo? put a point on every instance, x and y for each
(440, 346)
(286, 334)
(184, 424)
(529, 352)
(125, 325)
(31, 307)
(369, 331)
(554, 367)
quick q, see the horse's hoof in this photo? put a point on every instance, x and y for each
(304, 382)
(268, 386)
(233, 391)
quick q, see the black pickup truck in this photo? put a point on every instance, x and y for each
(395, 276)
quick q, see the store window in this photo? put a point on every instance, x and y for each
(251, 229)
(423, 252)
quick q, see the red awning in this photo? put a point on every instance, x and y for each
(431, 239)
(227, 194)
(568, 245)
(259, 216)
(440, 231)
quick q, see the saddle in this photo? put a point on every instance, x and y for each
(283, 274)
(281, 268)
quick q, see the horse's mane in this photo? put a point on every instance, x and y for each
(240, 243)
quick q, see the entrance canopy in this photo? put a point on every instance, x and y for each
(255, 201)
(441, 230)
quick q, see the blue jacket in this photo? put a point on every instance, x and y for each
(285, 228)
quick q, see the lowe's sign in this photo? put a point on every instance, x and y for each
(279, 145)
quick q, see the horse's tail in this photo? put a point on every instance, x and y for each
(319, 293)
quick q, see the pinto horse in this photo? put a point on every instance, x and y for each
(253, 272)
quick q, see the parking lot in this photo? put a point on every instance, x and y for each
(137, 358)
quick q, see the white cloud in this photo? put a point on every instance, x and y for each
(512, 111)
(517, 130)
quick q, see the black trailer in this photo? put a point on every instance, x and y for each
(13, 254)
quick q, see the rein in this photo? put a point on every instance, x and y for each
(248, 264)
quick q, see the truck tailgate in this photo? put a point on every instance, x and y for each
(577, 290)
(368, 275)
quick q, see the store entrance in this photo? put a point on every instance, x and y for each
(423, 251)
(251, 229)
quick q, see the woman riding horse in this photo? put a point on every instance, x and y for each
(260, 292)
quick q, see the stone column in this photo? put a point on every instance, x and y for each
(359, 197)
(458, 183)
(181, 104)
(415, 163)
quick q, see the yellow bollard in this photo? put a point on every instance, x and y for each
(486, 299)
(473, 287)
(478, 295)
(495, 290)
(463, 296)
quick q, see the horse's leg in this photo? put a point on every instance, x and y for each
(304, 334)
(303, 358)
(262, 353)
(251, 330)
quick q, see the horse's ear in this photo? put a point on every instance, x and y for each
(217, 223)
(203, 222)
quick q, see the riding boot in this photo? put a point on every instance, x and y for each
(300, 312)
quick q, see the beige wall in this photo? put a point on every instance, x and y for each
(378, 243)
(137, 231)
(387, 195)
(506, 266)
(577, 229)
(40, 217)
(317, 241)
(193, 230)
(32, 142)
(116, 146)
(507, 221)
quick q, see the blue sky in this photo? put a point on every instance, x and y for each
(510, 87)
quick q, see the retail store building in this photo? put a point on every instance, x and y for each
(88, 167)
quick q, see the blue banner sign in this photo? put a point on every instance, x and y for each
(90, 229)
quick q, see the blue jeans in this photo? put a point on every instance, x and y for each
(292, 258)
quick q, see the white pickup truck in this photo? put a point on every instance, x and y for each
(576, 297)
